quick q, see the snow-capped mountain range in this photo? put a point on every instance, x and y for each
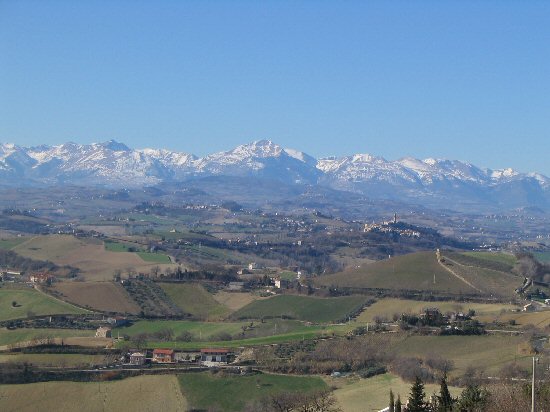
(114, 164)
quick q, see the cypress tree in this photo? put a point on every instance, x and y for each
(392, 402)
(416, 398)
(444, 401)
(398, 404)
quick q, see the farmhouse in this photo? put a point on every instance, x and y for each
(137, 358)
(42, 278)
(432, 316)
(280, 283)
(213, 357)
(163, 356)
(103, 332)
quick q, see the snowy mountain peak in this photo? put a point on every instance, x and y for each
(301, 156)
(259, 148)
(365, 158)
(503, 173)
(115, 164)
(114, 146)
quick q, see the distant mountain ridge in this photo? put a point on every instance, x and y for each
(439, 182)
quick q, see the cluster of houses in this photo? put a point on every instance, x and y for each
(257, 270)
(16, 276)
(208, 357)
(434, 317)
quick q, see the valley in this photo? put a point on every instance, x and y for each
(298, 300)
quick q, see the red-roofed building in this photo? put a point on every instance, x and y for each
(163, 356)
(214, 356)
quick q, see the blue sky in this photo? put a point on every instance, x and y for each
(464, 80)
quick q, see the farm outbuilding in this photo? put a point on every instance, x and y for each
(212, 357)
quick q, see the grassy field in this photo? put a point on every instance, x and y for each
(89, 255)
(489, 352)
(385, 308)
(30, 300)
(235, 300)
(102, 296)
(505, 258)
(8, 337)
(52, 248)
(142, 393)
(360, 395)
(202, 330)
(232, 393)
(490, 281)
(539, 319)
(10, 243)
(210, 253)
(112, 246)
(272, 331)
(54, 359)
(305, 308)
(194, 299)
(153, 257)
(415, 271)
(421, 271)
(311, 333)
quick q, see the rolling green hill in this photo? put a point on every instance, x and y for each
(461, 274)
(16, 303)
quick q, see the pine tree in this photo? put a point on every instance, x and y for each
(416, 398)
(444, 401)
(398, 404)
(392, 402)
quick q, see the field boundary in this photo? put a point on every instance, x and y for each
(456, 274)
(37, 288)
